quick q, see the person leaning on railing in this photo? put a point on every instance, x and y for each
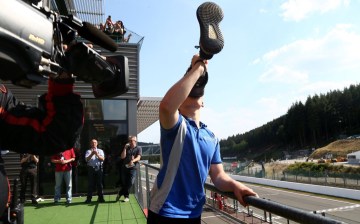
(131, 155)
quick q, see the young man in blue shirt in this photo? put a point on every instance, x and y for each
(189, 151)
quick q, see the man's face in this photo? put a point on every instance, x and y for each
(191, 104)
(93, 143)
(132, 142)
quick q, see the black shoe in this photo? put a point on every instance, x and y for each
(211, 41)
(88, 201)
(34, 202)
(101, 200)
(118, 197)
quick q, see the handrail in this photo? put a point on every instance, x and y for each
(284, 211)
(288, 212)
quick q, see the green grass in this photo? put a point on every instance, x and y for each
(79, 212)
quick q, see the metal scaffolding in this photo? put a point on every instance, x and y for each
(91, 11)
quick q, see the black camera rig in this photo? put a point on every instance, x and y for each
(32, 48)
(37, 43)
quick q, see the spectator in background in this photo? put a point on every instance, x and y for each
(28, 171)
(126, 40)
(102, 27)
(131, 154)
(95, 158)
(109, 25)
(63, 171)
(119, 28)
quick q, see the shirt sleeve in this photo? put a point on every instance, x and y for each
(87, 153)
(102, 153)
(72, 153)
(139, 152)
(216, 159)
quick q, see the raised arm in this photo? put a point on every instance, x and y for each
(176, 95)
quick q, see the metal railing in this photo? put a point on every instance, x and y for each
(268, 207)
(325, 178)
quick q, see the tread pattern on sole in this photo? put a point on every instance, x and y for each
(209, 16)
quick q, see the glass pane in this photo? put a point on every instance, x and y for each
(105, 109)
(114, 109)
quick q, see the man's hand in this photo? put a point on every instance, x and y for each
(241, 191)
(131, 161)
(196, 59)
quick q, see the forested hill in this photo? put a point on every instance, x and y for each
(321, 120)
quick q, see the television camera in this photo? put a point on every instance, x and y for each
(32, 48)
(37, 43)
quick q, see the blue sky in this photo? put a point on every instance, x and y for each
(275, 53)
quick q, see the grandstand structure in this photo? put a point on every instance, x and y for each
(91, 11)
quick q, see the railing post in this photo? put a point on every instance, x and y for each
(138, 185)
(236, 205)
(265, 218)
(147, 187)
(252, 216)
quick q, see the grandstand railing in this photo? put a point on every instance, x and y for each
(145, 180)
(325, 178)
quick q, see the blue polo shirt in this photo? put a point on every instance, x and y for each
(201, 149)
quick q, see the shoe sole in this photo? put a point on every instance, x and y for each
(209, 16)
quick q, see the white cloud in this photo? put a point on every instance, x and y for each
(283, 74)
(297, 10)
(335, 53)
(263, 11)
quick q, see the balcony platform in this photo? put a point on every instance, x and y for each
(79, 212)
(109, 212)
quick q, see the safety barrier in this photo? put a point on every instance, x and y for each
(232, 210)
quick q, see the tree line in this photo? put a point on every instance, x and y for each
(320, 120)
